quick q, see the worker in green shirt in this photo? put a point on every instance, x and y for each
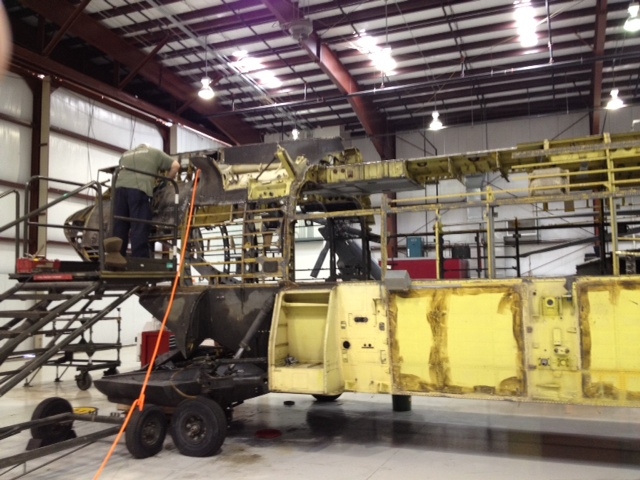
(133, 195)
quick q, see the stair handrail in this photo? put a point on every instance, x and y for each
(29, 214)
(17, 199)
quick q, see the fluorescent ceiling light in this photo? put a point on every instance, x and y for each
(365, 44)
(526, 24)
(268, 79)
(380, 57)
(615, 102)
(383, 61)
(529, 40)
(250, 65)
(206, 92)
(436, 124)
(633, 22)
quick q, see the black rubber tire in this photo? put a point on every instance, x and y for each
(326, 398)
(198, 427)
(146, 431)
(56, 432)
(84, 381)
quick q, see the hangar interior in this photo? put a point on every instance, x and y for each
(489, 149)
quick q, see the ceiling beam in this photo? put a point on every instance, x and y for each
(25, 62)
(505, 77)
(63, 29)
(129, 8)
(216, 20)
(596, 72)
(120, 50)
(372, 121)
(134, 71)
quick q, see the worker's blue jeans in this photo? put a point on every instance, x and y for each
(135, 205)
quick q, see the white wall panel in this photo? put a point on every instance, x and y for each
(187, 140)
(7, 266)
(442, 142)
(57, 214)
(16, 99)
(15, 142)
(620, 121)
(8, 213)
(365, 146)
(458, 139)
(307, 254)
(78, 161)
(472, 138)
(534, 129)
(324, 132)
(81, 115)
(7, 253)
(276, 137)
(556, 263)
(328, 132)
(412, 145)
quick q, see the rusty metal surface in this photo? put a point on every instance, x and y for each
(223, 314)
(211, 188)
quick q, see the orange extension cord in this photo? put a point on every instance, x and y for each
(139, 402)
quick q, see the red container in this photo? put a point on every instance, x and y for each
(36, 264)
(425, 268)
(148, 344)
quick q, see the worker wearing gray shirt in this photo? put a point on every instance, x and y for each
(133, 194)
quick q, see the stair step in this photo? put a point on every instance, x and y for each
(9, 372)
(33, 315)
(8, 334)
(40, 296)
(66, 286)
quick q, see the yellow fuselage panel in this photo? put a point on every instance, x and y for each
(458, 340)
(536, 339)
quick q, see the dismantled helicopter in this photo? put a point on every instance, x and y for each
(354, 325)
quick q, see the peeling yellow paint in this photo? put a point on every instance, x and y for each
(436, 317)
(535, 339)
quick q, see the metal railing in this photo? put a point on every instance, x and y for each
(29, 214)
(17, 207)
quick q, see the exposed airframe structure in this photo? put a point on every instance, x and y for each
(355, 325)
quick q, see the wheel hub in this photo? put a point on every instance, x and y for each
(195, 428)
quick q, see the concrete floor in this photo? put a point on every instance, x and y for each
(358, 437)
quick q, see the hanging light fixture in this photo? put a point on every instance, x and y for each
(615, 102)
(295, 133)
(206, 92)
(526, 23)
(435, 124)
(633, 22)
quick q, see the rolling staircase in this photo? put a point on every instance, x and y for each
(61, 312)
(48, 313)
